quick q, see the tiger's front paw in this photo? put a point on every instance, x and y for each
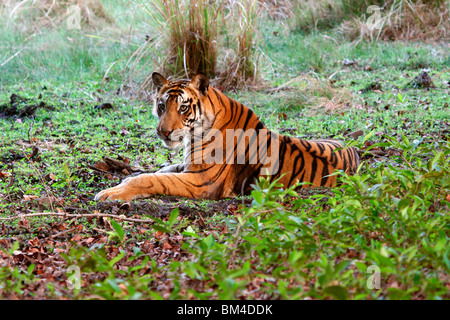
(120, 192)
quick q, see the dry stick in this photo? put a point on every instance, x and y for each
(201, 218)
(30, 132)
(284, 86)
(374, 153)
(118, 165)
(97, 169)
(99, 230)
(68, 215)
(47, 189)
(63, 232)
(12, 57)
(409, 165)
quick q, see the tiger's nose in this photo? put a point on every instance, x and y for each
(166, 133)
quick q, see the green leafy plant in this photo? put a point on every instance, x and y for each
(69, 176)
(117, 233)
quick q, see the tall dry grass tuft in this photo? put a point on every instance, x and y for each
(421, 20)
(307, 15)
(409, 20)
(217, 38)
(189, 29)
(279, 9)
(238, 64)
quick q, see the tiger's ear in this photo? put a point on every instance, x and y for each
(200, 82)
(159, 80)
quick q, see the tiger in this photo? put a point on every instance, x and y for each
(226, 148)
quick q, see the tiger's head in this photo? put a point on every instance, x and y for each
(181, 109)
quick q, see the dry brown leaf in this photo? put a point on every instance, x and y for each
(167, 246)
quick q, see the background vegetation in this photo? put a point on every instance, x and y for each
(75, 118)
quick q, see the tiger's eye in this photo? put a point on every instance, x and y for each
(184, 108)
(161, 106)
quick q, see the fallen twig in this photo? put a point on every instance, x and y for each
(63, 232)
(117, 165)
(285, 86)
(98, 169)
(86, 215)
(99, 230)
(12, 57)
(373, 153)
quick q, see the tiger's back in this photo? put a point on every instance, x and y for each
(296, 160)
(313, 161)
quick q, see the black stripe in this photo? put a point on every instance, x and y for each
(259, 126)
(280, 159)
(249, 115)
(321, 147)
(313, 169)
(306, 144)
(325, 172)
(174, 91)
(295, 172)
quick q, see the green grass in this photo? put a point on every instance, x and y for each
(392, 217)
